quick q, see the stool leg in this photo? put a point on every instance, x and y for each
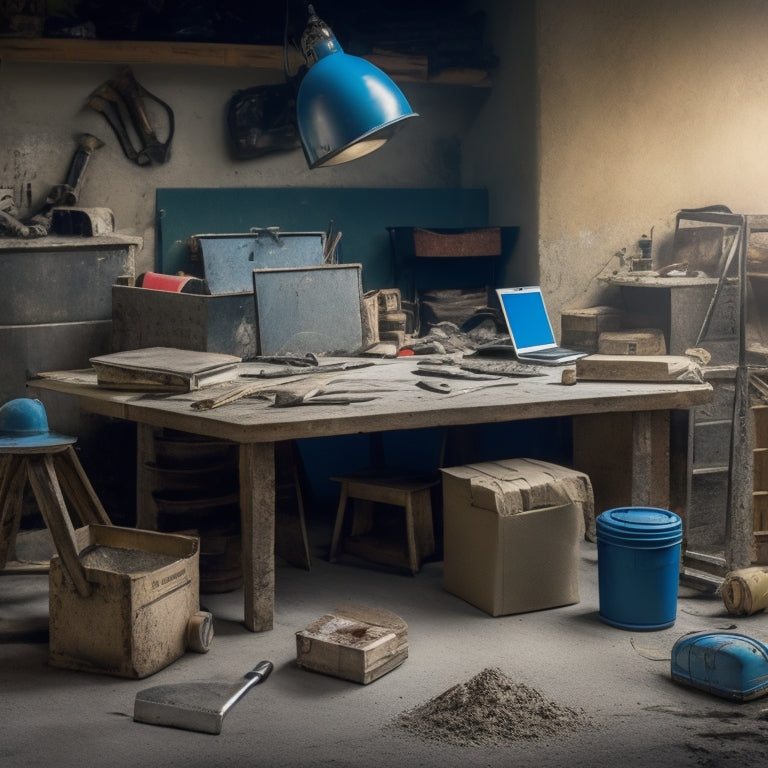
(45, 485)
(13, 478)
(410, 533)
(337, 526)
(419, 528)
(424, 529)
(78, 489)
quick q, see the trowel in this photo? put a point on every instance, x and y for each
(195, 706)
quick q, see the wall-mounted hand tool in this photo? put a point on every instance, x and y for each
(66, 194)
(122, 102)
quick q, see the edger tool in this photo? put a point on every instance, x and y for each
(195, 706)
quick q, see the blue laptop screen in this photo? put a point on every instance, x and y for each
(527, 318)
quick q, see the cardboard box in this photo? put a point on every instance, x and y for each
(508, 546)
(144, 591)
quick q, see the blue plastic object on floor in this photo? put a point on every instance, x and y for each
(638, 564)
(726, 664)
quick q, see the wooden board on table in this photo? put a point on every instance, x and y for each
(636, 368)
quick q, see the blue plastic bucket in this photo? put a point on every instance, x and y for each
(638, 565)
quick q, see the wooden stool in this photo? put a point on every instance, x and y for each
(53, 472)
(411, 493)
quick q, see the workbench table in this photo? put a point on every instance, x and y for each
(256, 425)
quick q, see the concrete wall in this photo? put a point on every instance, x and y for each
(606, 117)
(641, 107)
(42, 109)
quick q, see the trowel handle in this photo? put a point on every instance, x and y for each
(260, 672)
(254, 677)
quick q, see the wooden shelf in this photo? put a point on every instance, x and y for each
(267, 57)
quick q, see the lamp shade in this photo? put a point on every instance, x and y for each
(346, 107)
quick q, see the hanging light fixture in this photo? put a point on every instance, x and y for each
(346, 107)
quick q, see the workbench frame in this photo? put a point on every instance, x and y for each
(257, 426)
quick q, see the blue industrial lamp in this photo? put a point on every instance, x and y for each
(346, 107)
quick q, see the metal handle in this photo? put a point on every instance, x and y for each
(259, 673)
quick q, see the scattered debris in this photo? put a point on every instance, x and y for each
(491, 709)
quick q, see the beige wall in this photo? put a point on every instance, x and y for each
(641, 107)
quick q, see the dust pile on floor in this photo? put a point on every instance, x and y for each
(490, 709)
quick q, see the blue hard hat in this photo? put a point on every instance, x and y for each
(24, 424)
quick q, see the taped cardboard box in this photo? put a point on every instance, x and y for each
(511, 534)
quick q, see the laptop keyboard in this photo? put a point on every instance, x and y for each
(548, 354)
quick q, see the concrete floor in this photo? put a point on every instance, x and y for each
(55, 717)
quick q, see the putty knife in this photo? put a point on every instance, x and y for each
(196, 706)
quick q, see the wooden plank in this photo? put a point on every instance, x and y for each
(42, 478)
(740, 518)
(13, 478)
(269, 57)
(633, 367)
(257, 519)
(760, 511)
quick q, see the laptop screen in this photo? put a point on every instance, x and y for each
(526, 317)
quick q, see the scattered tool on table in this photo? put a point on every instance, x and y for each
(195, 706)
(447, 373)
(443, 388)
(277, 373)
(230, 396)
(317, 396)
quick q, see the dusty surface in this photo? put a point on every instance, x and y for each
(490, 708)
(609, 689)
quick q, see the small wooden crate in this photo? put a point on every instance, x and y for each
(355, 643)
(581, 328)
(640, 341)
(144, 589)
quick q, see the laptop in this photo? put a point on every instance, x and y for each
(531, 338)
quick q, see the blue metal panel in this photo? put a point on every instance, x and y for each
(229, 260)
(361, 214)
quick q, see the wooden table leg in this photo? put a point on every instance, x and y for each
(650, 459)
(257, 518)
(146, 512)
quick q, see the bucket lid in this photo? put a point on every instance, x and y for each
(640, 524)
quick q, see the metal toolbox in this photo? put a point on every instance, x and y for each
(225, 320)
